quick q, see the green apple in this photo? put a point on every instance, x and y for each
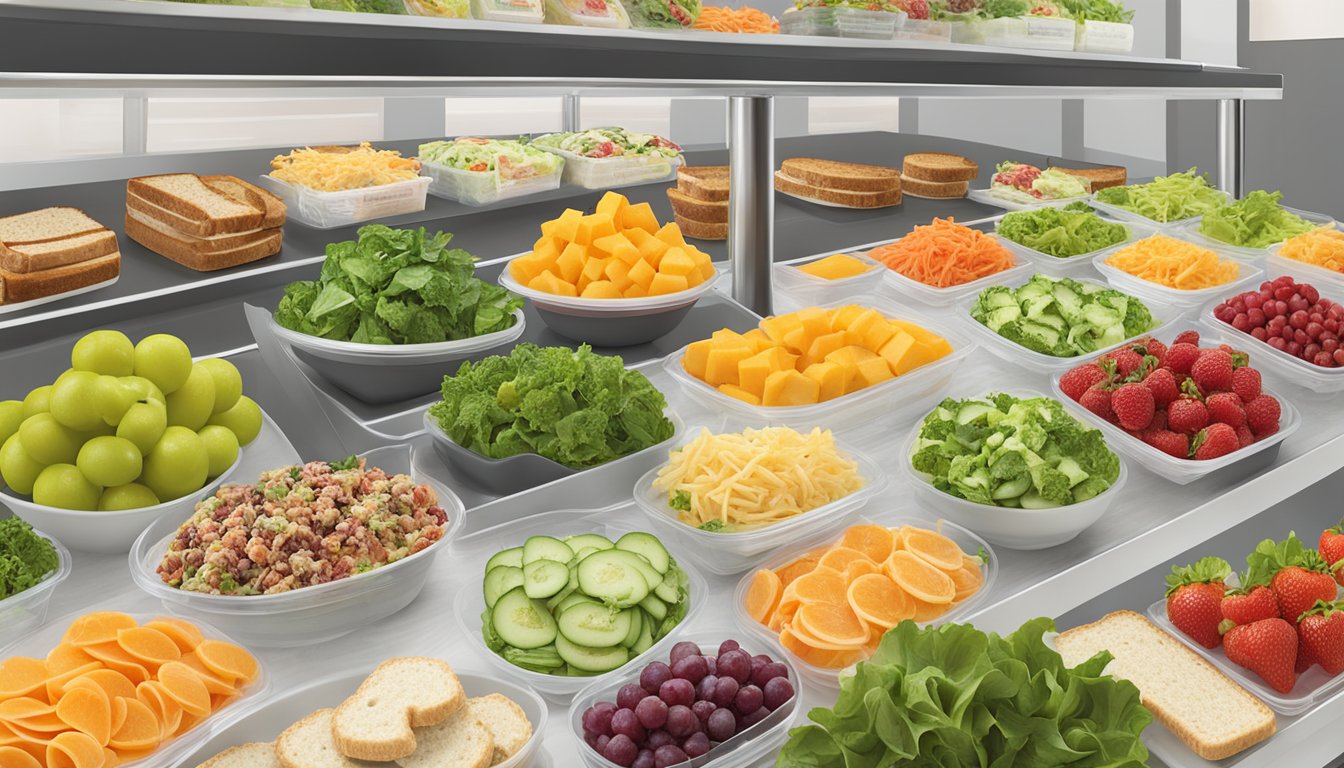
(228, 382)
(106, 352)
(48, 441)
(144, 424)
(177, 465)
(73, 401)
(244, 419)
(128, 496)
(164, 360)
(193, 402)
(17, 468)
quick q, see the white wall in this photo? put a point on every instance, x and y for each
(1133, 128)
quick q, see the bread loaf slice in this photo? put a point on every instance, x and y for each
(704, 182)
(461, 741)
(309, 744)
(1213, 715)
(846, 177)
(26, 286)
(942, 167)
(838, 197)
(401, 694)
(45, 225)
(205, 255)
(699, 210)
(251, 194)
(202, 210)
(507, 722)
(701, 230)
(245, 756)
(1099, 178)
(34, 257)
(934, 190)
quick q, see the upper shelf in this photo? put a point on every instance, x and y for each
(125, 43)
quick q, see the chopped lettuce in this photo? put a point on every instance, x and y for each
(396, 7)
(1062, 233)
(1061, 317)
(673, 14)
(510, 158)
(1098, 10)
(25, 557)
(1255, 221)
(1166, 198)
(609, 142)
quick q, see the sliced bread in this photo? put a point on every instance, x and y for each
(34, 257)
(27, 286)
(45, 225)
(401, 694)
(938, 167)
(848, 177)
(509, 727)
(208, 211)
(1099, 178)
(1213, 715)
(836, 197)
(701, 230)
(934, 190)
(192, 254)
(245, 756)
(309, 744)
(700, 210)
(251, 194)
(461, 741)
(704, 182)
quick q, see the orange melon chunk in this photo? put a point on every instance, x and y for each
(74, 750)
(872, 540)
(21, 675)
(877, 600)
(923, 581)
(89, 711)
(933, 548)
(228, 660)
(762, 595)
(186, 687)
(97, 628)
(831, 623)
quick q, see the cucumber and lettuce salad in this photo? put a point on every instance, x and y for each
(1061, 317)
(511, 159)
(1166, 198)
(1062, 232)
(601, 143)
(955, 697)
(1255, 221)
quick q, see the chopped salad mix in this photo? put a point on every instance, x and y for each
(1166, 198)
(1027, 183)
(1255, 221)
(511, 159)
(1062, 232)
(610, 142)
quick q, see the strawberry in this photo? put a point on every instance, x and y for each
(1268, 648)
(1097, 399)
(1246, 383)
(1127, 361)
(1133, 405)
(1187, 337)
(1187, 416)
(1180, 357)
(1214, 441)
(1226, 408)
(1162, 383)
(1194, 599)
(1244, 436)
(1304, 658)
(1298, 576)
(1213, 370)
(1150, 346)
(1159, 421)
(1247, 606)
(1079, 380)
(1321, 634)
(1168, 442)
(1262, 415)
(1331, 547)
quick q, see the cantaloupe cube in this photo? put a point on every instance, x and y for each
(612, 203)
(870, 330)
(618, 272)
(627, 252)
(671, 234)
(727, 337)
(639, 216)
(918, 331)
(753, 371)
(652, 251)
(582, 283)
(721, 365)
(835, 267)
(704, 265)
(897, 350)
(830, 377)
(548, 227)
(642, 274)
(599, 225)
(697, 357)
(779, 326)
(676, 262)
(843, 317)
(815, 321)
(797, 341)
(758, 337)
(849, 358)
(609, 244)
(637, 236)
(783, 388)
(528, 266)
(874, 370)
(567, 226)
(694, 278)
(601, 289)
(549, 248)
(548, 282)
(571, 262)
(923, 353)
(740, 394)
(664, 283)
(636, 291)
(594, 268)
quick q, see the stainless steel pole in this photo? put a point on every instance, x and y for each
(570, 114)
(751, 199)
(1231, 146)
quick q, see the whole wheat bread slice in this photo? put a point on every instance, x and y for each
(939, 167)
(245, 756)
(846, 177)
(251, 194)
(401, 694)
(704, 182)
(26, 286)
(200, 255)
(934, 190)
(701, 230)
(209, 211)
(34, 257)
(309, 744)
(507, 722)
(1213, 715)
(840, 197)
(461, 741)
(700, 210)
(46, 225)
(1099, 178)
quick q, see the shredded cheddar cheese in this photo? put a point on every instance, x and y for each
(335, 171)
(1174, 263)
(1320, 247)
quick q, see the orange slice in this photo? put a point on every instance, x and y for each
(860, 568)
(220, 700)
(74, 750)
(967, 579)
(13, 757)
(167, 712)
(228, 660)
(116, 658)
(88, 711)
(150, 646)
(113, 683)
(820, 586)
(189, 721)
(832, 623)
(55, 685)
(119, 711)
(140, 730)
(127, 756)
(877, 600)
(21, 675)
(839, 557)
(95, 628)
(925, 612)
(184, 633)
(762, 595)
(216, 685)
(933, 548)
(65, 657)
(923, 581)
(872, 540)
(186, 687)
(819, 657)
(783, 615)
(21, 708)
(792, 571)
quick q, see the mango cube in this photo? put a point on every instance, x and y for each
(822, 346)
(696, 357)
(571, 262)
(608, 244)
(639, 216)
(870, 330)
(664, 283)
(593, 269)
(671, 234)
(635, 291)
(612, 203)
(677, 262)
(652, 250)
(618, 272)
(895, 352)
(874, 370)
(740, 394)
(721, 365)
(784, 388)
(843, 317)
(831, 379)
(567, 226)
(601, 289)
(753, 371)
(642, 274)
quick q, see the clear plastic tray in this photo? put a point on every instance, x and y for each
(20, 613)
(1104, 37)
(743, 750)
(1313, 686)
(1073, 266)
(610, 172)
(1323, 279)
(328, 210)
(1032, 360)
(311, 614)
(1294, 370)
(266, 721)
(925, 30)
(484, 188)
(424, 8)
(1008, 526)
(988, 196)
(517, 11)
(836, 21)
(1128, 215)
(829, 679)
(727, 554)
(1182, 302)
(943, 298)
(37, 644)
(902, 396)
(1035, 32)
(1190, 231)
(804, 290)
(472, 552)
(1184, 471)
(570, 13)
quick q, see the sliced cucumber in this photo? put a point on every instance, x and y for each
(511, 557)
(501, 579)
(594, 625)
(669, 591)
(651, 574)
(649, 547)
(683, 580)
(590, 660)
(573, 599)
(553, 604)
(523, 622)
(544, 578)
(645, 641)
(586, 540)
(656, 608)
(614, 577)
(582, 553)
(636, 626)
(546, 548)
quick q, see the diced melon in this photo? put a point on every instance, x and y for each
(600, 225)
(637, 236)
(664, 283)
(815, 321)
(609, 244)
(652, 250)
(627, 252)
(918, 331)
(849, 358)
(822, 346)
(704, 265)
(836, 267)
(677, 262)
(612, 203)
(870, 330)
(618, 272)
(783, 388)
(778, 326)
(758, 337)
(571, 262)
(874, 370)
(582, 283)
(593, 269)
(897, 350)
(548, 227)
(697, 357)
(753, 371)
(528, 266)
(601, 289)
(567, 226)
(936, 346)
(843, 317)
(729, 337)
(923, 353)
(642, 274)
(740, 394)
(639, 216)
(635, 291)
(550, 249)
(721, 365)
(797, 341)
(548, 282)
(671, 234)
(830, 377)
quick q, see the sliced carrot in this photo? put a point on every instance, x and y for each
(877, 600)
(150, 646)
(832, 623)
(228, 660)
(762, 595)
(165, 708)
(933, 548)
(923, 581)
(95, 628)
(140, 730)
(860, 568)
(872, 540)
(74, 750)
(21, 675)
(13, 757)
(112, 682)
(89, 711)
(186, 687)
(839, 557)
(820, 586)
(184, 633)
(216, 685)
(114, 657)
(797, 568)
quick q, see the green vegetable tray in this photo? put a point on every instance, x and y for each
(1078, 266)
(1190, 230)
(24, 611)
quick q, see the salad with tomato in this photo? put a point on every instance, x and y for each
(1027, 183)
(509, 158)
(599, 143)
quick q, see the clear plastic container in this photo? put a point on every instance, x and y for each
(1325, 280)
(801, 289)
(328, 210)
(1104, 37)
(575, 13)
(263, 722)
(484, 187)
(1037, 362)
(1190, 231)
(1042, 33)
(988, 196)
(1313, 686)
(1294, 370)
(439, 9)
(902, 396)
(1011, 527)
(472, 552)
(1255, 456)
(727, 554)
(1128, 215)
(516, 11)
(742, 751)
(829, 679)
(171, 752)
(611, 172)
(312, 614)
(1073, 266)
(925, 30)
(1182, 302)
(838, 21)
(943, 298)
(21, 612)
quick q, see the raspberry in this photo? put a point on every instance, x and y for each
(1133, 406)
(1187, 337)
(1097, 399)
(1187, 415)
(1079, 380)
(1226, 408)
(1246, 383)
(1214, 441)
(1162, 384)
(1213, 370)
(1262, 415)
(1168, 442)
(1180, 357)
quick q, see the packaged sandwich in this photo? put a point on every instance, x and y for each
(204, 223)
(52, 252)
(443, 9)
(518, 11)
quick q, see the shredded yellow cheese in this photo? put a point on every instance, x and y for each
(757, 477)
(1174, 263)
(1319, 247)
(335, 171)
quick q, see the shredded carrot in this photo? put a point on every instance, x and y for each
(944, 253)
(722, 19)
(1320, 247)
(1174, 263)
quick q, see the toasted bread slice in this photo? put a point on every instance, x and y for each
(461, 741)
(1213, 715)
(35, 257)
(934, 190)
(26, 286)
(245, 756)
(309, 744)
(200, 255)
(699, 210)
(201, 210)
(401, 694)
(837, 197)
(251, 194)
(508, 724)
(940, 167)
(701, 230)
(46, 225)
(845, 177)
(1099, 178)
(704, 182)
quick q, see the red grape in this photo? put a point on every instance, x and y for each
(721, 725)
(777, 691)
(1252, 300)
(652, 677)
(712, 664)
(1310, 292)
(728, 645)
(677, 691)
(1256, 317)
(681, 722)
(597, 718)
(658, 738)
(629, 696)
(644, 760)
(1283, 293)
(626, 723)
(749, 699)
(652, 712)
(1259, 333)
(755, 717)
(768, 672)
(682, 650)
(600, 743)
(1299, 319)
(703, 709)
(1339, 357)
(690, 667)
(1309, 351)
(1294, 349)
(1315, 329)
(696, 745)
(1241, 322)
(621, 750)
(705, 688)
(725, 691)
(735, 664)
(668, 755)
(1329, 345)
(1277, 342)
